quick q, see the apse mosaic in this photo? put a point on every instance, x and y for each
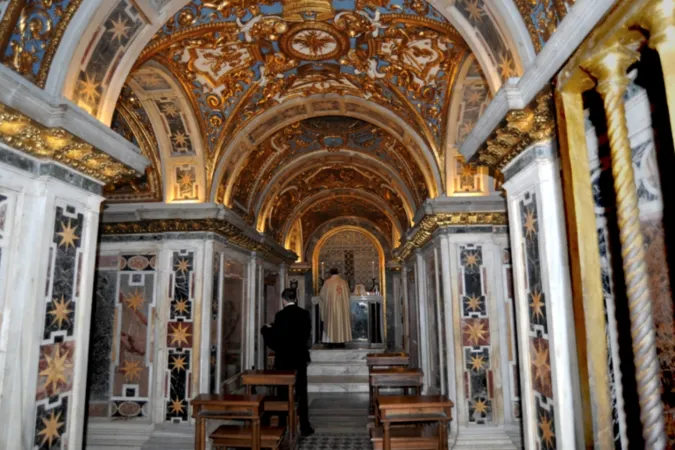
(37, 28)
(57, 347)
(478, 375)
(249, 56)
(538, 330)
(179, 339)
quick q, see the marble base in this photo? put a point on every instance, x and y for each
(338, 383)
(337, 368)
(484, 437)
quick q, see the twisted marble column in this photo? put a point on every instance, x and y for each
(610, 68)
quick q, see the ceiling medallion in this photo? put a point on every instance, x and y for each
(314, 41)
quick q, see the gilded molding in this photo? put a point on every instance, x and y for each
(521, 129)
(223, 228)
(21, 133)
(425, 228)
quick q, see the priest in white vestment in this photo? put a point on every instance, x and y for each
(335, 310)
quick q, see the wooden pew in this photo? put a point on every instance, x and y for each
(386, 360)
(422, 409)
(409, 438)
(227, 436)
(285, 378)
(394, 378)
(227, 407)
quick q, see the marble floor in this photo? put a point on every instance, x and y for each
(340, 422)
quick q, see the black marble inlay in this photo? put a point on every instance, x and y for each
(100, 344)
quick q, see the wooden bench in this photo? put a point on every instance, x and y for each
(276, 378)
(227, 436)
(422, 409)
(417, 438)
(227, 407)
(394, 378)
(386, 360)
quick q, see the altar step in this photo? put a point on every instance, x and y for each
(492, 438)
(339, 370)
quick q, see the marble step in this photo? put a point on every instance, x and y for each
(489, 438)
(338, 355)
(338, 383)
(337, 368)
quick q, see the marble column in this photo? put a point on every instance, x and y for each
(49, 218)
(420, 276)
(405, 333)
(544, 310)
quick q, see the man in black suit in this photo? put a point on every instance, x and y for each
(289, 338)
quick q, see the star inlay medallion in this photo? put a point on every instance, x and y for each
(475, 332)
(183, 265)
(506, 66)
(473, 303)
(178, 363)
(475, 96)
(132, 370)
(542, 368)
(475, 11)
(68, 234)
(170, 110)
(547, 434)
(471, 259)
(315, 42)
(57, 364)
(51, 432)
(530, 221)
(480, 406)
(181, 306)
(119, 29)
(180, 139)
(179, 334)
(477, 363)
(177, 406)
(60, 312)
(89, 89)
(537, 305)
(135, 300)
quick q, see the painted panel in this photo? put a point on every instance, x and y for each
(538, 332)
(476, 340)
(57, 346)
(179, 340)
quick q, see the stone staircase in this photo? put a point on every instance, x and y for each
(339, 370)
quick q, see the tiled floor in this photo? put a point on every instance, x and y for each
(340, 422)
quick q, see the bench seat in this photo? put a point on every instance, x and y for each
(407, 438)
(227, 436)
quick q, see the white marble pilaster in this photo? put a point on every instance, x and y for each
(39, 196)
(406, 312)
(420, 276)
(534, 192)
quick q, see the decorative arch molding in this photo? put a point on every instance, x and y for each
(178, 134)
(322, 197)
(289, 173)
(373, 239)
(342, 222)
(289, 112)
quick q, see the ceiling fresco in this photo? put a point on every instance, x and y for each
(238, 58)
(332, 134)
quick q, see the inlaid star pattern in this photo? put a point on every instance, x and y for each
(152, 81)
(547, 434)
(177, 406)
(475, 332)
(180, 139)
(530, 224)
(185, 180)
(537, 305)
(183, 265)
(170, 110)
(68, 235)
(119, 29)
(475, 96)
(178, 363)
(473, 303)
(542, 368)
(60, 312)
(471, 259)
(55, 372)
(505, 66)
(466, 128)
(480, 406)
(475, 11)
(179, 334)
(477, 363)
(181, 306)
(314, 41)
(134, 300)
(132, 370)
(51, 432)
(89, 89)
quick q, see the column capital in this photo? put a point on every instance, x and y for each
(610, 67)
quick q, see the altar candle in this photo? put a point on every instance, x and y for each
(323, 270)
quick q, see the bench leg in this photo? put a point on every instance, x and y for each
(386, 438)
(255, 432)
(443, 436)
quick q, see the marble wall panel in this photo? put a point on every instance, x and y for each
(413, 325)
(538, 330)
(512, 348)
(180, 332)
(478, 370)
(234, 290)
(215, 316)
(433, 328)
(57, 346)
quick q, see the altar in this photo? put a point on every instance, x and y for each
(366, 319)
